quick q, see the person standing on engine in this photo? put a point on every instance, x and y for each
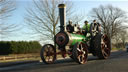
(86, 27)
(97, 26)
(70, 27)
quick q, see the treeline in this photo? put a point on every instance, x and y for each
(19, 47)
(120, 45)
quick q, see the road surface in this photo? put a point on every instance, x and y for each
(117, 62)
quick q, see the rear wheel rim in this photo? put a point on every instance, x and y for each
(105, 46)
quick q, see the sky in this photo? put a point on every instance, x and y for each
(82, 6)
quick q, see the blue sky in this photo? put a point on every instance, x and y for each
(82, 6)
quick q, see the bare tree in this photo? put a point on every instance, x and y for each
(123, 37)
(111, 19)
(43, 17)
(6, 7)
(77, 18)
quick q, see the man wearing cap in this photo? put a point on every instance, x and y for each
(86, 27)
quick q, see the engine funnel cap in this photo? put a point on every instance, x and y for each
(62, 6)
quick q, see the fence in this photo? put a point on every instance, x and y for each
(18, 57)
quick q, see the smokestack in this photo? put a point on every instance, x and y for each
(62, 13)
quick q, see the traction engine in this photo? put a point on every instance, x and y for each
(75, 42)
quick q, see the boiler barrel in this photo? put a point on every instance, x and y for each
(64, 38)
(75, 38)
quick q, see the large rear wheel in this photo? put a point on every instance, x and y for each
(105, 47)
(48, 54)
(101, 44)
(80, 53)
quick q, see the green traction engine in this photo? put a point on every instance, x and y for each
(76, 43)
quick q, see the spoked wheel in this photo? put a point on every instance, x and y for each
(80, 53)
(105, 46)
(101, 44)
(48, 54)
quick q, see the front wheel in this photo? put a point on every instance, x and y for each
(80, 53)
(48, 54)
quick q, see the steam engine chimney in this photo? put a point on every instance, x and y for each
(62, 13)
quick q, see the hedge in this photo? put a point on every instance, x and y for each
(19, 47)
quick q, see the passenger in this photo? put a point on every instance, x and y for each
(70, 27)
(97, 26)
(94, 21)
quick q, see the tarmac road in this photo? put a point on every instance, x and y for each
(117, 62)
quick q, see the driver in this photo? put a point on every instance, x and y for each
(86, 27)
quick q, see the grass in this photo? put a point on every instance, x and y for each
(117, 49)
